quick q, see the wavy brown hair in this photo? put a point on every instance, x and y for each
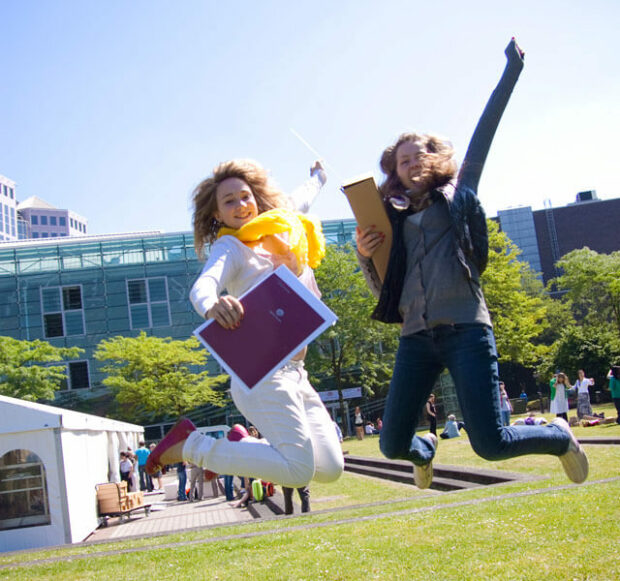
(204, 197)
(437, 162)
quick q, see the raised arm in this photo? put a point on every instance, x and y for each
(302, 197)
(481, 140)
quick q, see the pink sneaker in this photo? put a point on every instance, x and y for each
(237, 433)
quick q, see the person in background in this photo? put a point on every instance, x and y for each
(582, 386)
(142, 453)
(196, 483)
(452, 428)
(304, 496)
(614, 388)
(504, 402)
(431, 413)
(182, 479)
(559, 386)
(358, 422)
(157, 475)
(126, 470)
(338, 432)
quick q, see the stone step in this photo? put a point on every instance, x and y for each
(445, 477)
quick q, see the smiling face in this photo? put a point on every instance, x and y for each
(236, 204)
(410, 166)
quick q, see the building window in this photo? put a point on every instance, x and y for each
(35, 234)
(45, 235)
(52, 220)
(34, 219)
(23, 491)
(63, 313)
(43, 220)
(77, 374)
(62, 221)
(148, 302)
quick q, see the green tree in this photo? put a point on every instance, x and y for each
(152, 377)
(516, 301)
(593, 349)
(591, 285)
(25, 370)
(356, 348)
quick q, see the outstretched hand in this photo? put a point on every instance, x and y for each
(318, 169)
(513, 52)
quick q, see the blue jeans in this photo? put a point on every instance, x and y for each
(181, 494)
(468, 351)
(228, 487)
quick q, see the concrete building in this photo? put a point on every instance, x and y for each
(544, 236)
(46, 221)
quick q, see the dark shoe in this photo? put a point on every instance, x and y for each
(237, 433)
(177, 433)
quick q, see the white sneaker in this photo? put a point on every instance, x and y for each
(574, 461)
(423, 475)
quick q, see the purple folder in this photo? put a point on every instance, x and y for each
(281, 317)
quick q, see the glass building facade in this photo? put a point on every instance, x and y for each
(518, 224)
(75, 292)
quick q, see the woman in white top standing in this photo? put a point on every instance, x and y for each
(583, 394)
(251, 231)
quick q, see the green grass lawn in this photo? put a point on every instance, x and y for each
(363, 528)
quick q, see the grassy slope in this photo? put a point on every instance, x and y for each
(566, 533)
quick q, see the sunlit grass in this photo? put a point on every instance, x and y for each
(366, 527)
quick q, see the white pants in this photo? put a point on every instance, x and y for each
(300, 443)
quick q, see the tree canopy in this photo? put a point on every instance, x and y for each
(516, 301)
(591, 283)
(357, 349)
(356, 342)
(152, 377)
(27, 369)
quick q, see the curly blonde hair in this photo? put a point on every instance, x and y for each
(204, 197)
(438, 162)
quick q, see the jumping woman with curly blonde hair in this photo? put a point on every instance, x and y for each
(252, 228)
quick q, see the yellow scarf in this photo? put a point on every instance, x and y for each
(305, 237)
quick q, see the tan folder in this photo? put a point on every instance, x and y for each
(367, 205)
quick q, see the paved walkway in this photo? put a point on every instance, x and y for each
(171, 516)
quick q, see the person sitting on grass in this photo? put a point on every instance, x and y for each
(452, 428)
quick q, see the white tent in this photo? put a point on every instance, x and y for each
(50, 461)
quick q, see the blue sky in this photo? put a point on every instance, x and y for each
(118, 109)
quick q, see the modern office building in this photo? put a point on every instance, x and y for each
(43, 220)
(544, 236)
(78, 291)
(34, 217)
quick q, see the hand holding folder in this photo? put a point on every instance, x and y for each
(281, 316)
(367, 206)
